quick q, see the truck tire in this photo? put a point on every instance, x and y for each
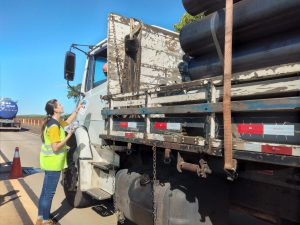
(70, 180)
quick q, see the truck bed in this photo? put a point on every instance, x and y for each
(188, 116)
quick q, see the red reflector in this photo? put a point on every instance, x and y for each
(160, 126)
(250, 128)
(266, 172)
(129, 135)
(282, 150)
(123, 124)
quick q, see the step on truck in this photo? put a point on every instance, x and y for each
(153, 132)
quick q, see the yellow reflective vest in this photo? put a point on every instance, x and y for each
(53, 160)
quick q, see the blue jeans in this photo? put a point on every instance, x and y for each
(49, 187)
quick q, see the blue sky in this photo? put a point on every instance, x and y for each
(34, 35)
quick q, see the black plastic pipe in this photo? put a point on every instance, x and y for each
(194, 7)
(253, 19)
(268, 52)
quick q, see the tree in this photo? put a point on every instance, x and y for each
(186, 19)
(73, 94)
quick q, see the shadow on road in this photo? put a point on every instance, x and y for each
(24, 128)
(5, 169)
(63, 210)
(104, 209)
(10, 193)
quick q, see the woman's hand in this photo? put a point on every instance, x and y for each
(80, 105)
(70, 132)
(58, 145)
(74, 114)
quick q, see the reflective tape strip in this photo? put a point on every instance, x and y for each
(286, 130)
(51, 152)
(167, 126)
(46, 152)
(157, 125)
(281, 150)
(129, 135)
(253, 147)
(250, 129)
(17, 154)
(160, 125)
(123, 124)
(128, 124)
(269, 129)
(132, 124)
(48, 147)
(266, 172)
(173, 126)
(296, 152)
(277, 149)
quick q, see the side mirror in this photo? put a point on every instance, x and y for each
(70, 61)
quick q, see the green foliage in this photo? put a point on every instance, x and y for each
(65, 116)
(186, 19)
(35, 116)
(73, 94)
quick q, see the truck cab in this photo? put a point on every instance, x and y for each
(87, 149)
(94, 85)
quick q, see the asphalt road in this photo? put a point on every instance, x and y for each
(19, 198)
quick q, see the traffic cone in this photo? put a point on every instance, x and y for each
(16, 169)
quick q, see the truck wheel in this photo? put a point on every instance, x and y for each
(70, 180)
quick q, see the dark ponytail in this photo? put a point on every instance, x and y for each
(49, 108)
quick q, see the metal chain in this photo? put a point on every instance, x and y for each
(154, 186)
(114, 184)
(121, 220)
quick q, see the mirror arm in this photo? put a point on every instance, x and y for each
(75, 46)
(73, 89)
(80, 50)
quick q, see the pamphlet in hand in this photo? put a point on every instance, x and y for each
(74, 125)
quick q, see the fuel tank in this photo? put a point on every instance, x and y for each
(179, 201)
(8, 108)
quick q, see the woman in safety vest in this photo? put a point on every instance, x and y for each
(53, 155)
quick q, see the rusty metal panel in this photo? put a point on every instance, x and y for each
(157, 143)
(159, 60)
(253, 89)
(289, 103)
(270, 73)
(293, 161)
(273, 74)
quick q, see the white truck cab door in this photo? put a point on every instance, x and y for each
(94, 85)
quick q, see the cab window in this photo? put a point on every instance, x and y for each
(99, 76)
(89, 78)
(95, 74)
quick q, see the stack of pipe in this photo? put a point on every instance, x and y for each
(265, 33)
(194, 7)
